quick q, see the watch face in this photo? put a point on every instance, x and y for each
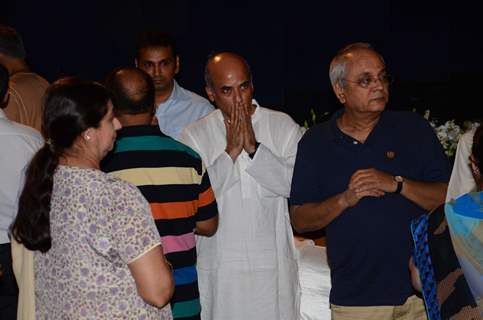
(398, 178)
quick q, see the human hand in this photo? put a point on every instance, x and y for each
(249, 139)
(370, 179)
(351, 197)
(415, 279)
(234, 135)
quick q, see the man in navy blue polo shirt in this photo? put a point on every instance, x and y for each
(364, 175)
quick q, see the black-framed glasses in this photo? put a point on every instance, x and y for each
(368, 80)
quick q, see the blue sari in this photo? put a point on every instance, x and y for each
(449, 255)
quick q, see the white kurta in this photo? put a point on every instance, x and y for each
(462, 181)
(248, 269)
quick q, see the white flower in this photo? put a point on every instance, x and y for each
(449, 135)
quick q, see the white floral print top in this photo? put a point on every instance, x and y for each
(99, 224)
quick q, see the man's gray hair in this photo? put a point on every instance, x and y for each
(337, 69)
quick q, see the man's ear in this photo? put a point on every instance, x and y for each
(339, 92)
(177, 65)
(210, 93)
(136, 62)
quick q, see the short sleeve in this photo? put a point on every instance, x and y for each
(305, 180)
(207, 207)
(135, 232)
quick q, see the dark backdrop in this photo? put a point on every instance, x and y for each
(434, 50)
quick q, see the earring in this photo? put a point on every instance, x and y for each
(87, 137)
(474, 169)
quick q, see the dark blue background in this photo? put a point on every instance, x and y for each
(434, 50)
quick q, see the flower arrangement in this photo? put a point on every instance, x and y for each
(449, 133)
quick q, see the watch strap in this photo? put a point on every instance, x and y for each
(399, 185)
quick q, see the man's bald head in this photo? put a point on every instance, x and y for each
(222, 62)
(228, 81)
(132, 91)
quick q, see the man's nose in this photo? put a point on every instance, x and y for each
(157, 70)
(238, 96)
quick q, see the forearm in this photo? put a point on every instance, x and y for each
(272, 172)
(427, 195)
(316, 215)
(207, 228)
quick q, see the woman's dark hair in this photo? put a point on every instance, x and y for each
(71, 106)
(4, 78)
(477, 148)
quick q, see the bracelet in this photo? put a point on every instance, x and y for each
(169, 264)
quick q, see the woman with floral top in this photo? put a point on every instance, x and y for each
(97, 252)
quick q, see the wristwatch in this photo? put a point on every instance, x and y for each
(400, 181)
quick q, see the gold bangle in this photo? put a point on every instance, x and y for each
(169, 264)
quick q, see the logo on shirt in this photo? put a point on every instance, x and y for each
(390, 154)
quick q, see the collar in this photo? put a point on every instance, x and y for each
(141, 130)
(2, 114)
(336, 133)
(256, 113)
(176, 94)
(386, 123)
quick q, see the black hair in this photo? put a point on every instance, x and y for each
(71, 106)
(132, 91)
(11, 43)
(477, 148)
(4, 77)
(153, 39)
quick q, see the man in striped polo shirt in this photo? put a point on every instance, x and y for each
(170, 175)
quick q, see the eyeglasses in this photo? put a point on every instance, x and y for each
(368, 80)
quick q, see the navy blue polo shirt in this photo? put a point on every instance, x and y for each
(369, 244)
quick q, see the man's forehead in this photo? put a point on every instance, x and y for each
(229, 79)
(364, 60)
(155, 53)
(229, 73)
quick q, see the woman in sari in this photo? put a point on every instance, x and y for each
(448, 254)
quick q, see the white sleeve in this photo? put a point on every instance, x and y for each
(222, 171)
(462, 180)
(273, 172)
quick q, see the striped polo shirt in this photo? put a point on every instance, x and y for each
(174, 181)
